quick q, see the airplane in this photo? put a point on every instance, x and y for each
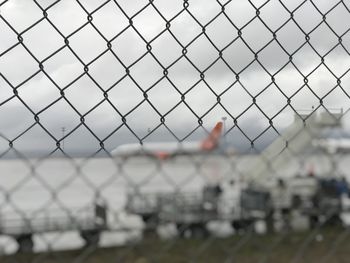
(165, 150)
(333, 146)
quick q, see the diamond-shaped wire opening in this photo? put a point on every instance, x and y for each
(55, 172)
(284, 119)
(116, 202)
(323, 39)
(35, 142)
(71, 198)
(63, 68)
(146, 72)
(103, 120)
(45, 3)
(274, 14)
(7, 36)
(139, 168)
(131, 8)
(129, 47)
(325, 6)
(271, 101)
(321, 81)
(204, 13)
(292, 5)
(65, 116)
(221, 31)
(337, 99)
(107, 70)
(91, 6)
(185, 28)
(304, 99)
(283, 80)
(142, 118)
(163, 96)
(200, 99)
(161, 133)
(234, 9)
(11, 127)
(166, 174)
(183, 174)
(307, 17)
(236, 100)
(292, 168)
(41, 47)
(183, 75)
(332, 60)
(306, 60)
(30, 196)
(65, 11)
(253, 122)
(161, 47)
(237, 140)
(182, 117)
(273, 57)
(87, 44)
(92, 171)
(219, 77)
(256, 35)
(209, 121)
(339, 19)
(149, 23)
(22, 65)
(238, 56)
(81, 143)
(265, 139)
(202, 53)
(121, 136)
(125, 96)
(169, 178)
(16, 14)
(169, 9)
(39, 92)
(255, 78)
(109, 20)
(81, 87)
(290, 37)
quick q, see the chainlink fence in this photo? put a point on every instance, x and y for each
(90, 90)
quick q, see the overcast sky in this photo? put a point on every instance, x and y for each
(129, 45)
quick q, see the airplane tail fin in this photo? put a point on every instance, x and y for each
(212, 141)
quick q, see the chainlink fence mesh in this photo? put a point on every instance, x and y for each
(108, 147)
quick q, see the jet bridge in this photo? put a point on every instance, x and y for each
(295, 140)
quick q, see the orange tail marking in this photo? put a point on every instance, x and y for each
(211, 142)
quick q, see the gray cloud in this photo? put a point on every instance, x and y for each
(83, 94)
